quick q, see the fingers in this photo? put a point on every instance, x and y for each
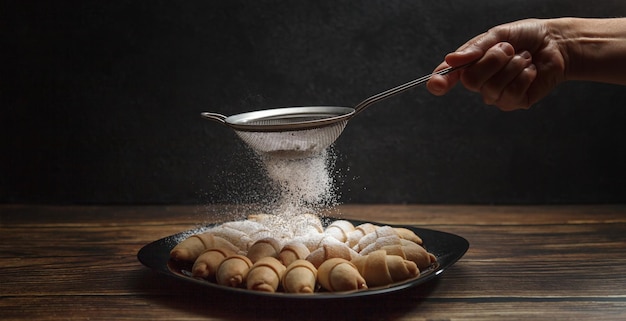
(493, 88)
(439, 85)
(516, 94)
(492, 62)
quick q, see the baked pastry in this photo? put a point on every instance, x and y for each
(329, 251)
(412, 252)
(207, 263)
(233, 271)
(293, 251)
(300, 277)
(340, 229)
(409, 235)
(338, 275)
(383, 231)
(265, 275)
(380, 242)
(378, 268)
(265, 247)
(360, 231)
(237, 237)
(190, 248)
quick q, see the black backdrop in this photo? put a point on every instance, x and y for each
(101, 100)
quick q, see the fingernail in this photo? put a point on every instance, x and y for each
(525, 54)
(435, 88)
(506, 48)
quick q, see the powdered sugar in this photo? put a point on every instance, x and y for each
(305, 185)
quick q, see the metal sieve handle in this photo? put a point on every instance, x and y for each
(395, 90)
(214, 116)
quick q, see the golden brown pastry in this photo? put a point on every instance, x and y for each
(412, 252)
(378, 268)
(207, 263)
(300, 277)
(380, 242)
(307, 224)
(383, 231)
(409, 235)
(239, 238)
(293, 251)
(338, 275)
(315, 241)
(265, 275)
(340, 229)
(190, 248)
(263, 248)
(329, 251)
(254, 230)
(360, 231)
(233, 271)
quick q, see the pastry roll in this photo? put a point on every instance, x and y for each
(409, 235)
(380, 242)
(293, 251)
(340, 229)
(339, 274)
(360, 231)
(239, 238)
(383, 231)
(265, 275)
(190, 248)
(329, 251)
(263, 248)
(233, 271)
(315, 241)
(307, 224)
(378, 268)
(254, 230)
(412, 252)
(300, 277)
(207, 263)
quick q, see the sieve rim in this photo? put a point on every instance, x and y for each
(327, 115)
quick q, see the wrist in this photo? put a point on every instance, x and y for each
(593, 49)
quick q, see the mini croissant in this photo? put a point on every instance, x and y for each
(190, 248)
(383, 231)
(360, 231)
(409, 235)
(378, 268)
(262, 248)
(254, 230)
(293, 251)
(233, 271)
(339, 274)
(380, 242)
(340, 229)
(265, 275)
(239, 238)
(412, 252)
(300, 277)
(329, 251)
(207, 263)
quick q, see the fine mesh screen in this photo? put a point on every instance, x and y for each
(302, 143)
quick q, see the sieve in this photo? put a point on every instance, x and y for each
(300, 132)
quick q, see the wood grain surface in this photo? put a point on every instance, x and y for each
(524, 262)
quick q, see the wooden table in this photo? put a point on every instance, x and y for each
(524, 262)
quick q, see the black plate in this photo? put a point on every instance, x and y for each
(448, 248)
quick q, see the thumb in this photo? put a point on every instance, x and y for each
(465, 56)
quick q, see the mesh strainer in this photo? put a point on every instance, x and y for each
(299, 132)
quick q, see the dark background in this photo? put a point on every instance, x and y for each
(100, 103)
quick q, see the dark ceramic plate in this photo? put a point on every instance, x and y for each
(448, 248)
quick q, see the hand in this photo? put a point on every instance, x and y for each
(516, 64)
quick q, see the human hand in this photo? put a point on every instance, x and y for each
(516, 64)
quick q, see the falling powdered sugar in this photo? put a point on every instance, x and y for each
(305, 185)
